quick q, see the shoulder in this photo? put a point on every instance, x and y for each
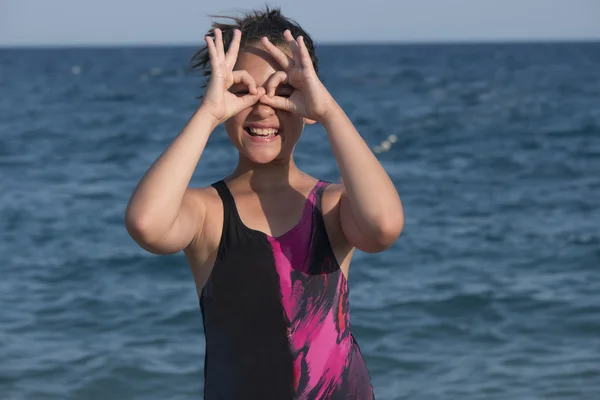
(201, 253)
(208, 201)
(330, 209)
(331, 196)
(201, 198)
(202, 250)
(203, 193)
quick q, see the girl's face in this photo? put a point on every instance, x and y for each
(260, 133)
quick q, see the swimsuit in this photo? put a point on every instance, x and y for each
(276, 314)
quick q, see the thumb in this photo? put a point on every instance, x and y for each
(249, 99)
(279, 102)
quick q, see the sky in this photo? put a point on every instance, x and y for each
(159, 22)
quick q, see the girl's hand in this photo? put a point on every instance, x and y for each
(218, 101)
(310, 97)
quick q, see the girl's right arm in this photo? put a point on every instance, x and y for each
(164, 216)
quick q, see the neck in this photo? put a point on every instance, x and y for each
(264, 177)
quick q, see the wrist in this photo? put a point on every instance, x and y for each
(204, 114)
(333, 113)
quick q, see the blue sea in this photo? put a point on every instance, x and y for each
(492, 291)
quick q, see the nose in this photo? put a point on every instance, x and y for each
(262, 111)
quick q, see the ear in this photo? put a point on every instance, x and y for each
(309, 121)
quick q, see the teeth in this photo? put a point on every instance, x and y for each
(263, 132)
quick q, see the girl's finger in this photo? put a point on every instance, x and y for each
(219, 43)
(278, 102)
(283, 59)
(245, 78)
(275, 80)
(234, 47)
(305, 59)
(216, 65)
(292, 44)
(212, 51)
(251, 99)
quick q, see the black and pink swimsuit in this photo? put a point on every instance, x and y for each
(276, 314)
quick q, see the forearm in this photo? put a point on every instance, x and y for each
(156, 201)
(372, 197)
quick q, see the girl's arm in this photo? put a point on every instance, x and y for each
(163, 216)
(370, 208)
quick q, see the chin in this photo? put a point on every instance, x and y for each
(264, 156)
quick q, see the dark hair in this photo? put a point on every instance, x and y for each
(254, 25)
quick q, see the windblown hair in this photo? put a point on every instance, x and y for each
(254, 25)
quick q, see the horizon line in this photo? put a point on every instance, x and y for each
(435, 42)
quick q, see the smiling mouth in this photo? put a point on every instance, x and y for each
(265, 133)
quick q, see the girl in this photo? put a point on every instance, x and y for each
(269, 246)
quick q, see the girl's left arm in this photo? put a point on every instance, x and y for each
(370, 208)
(371, 212)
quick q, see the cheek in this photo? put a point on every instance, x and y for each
(230, 126)
(292, 123)
(233, 124)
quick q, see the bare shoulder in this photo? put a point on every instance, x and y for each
(331, 196)
(208, 199)
(204, 194)
(202, 252)
(330, 207)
